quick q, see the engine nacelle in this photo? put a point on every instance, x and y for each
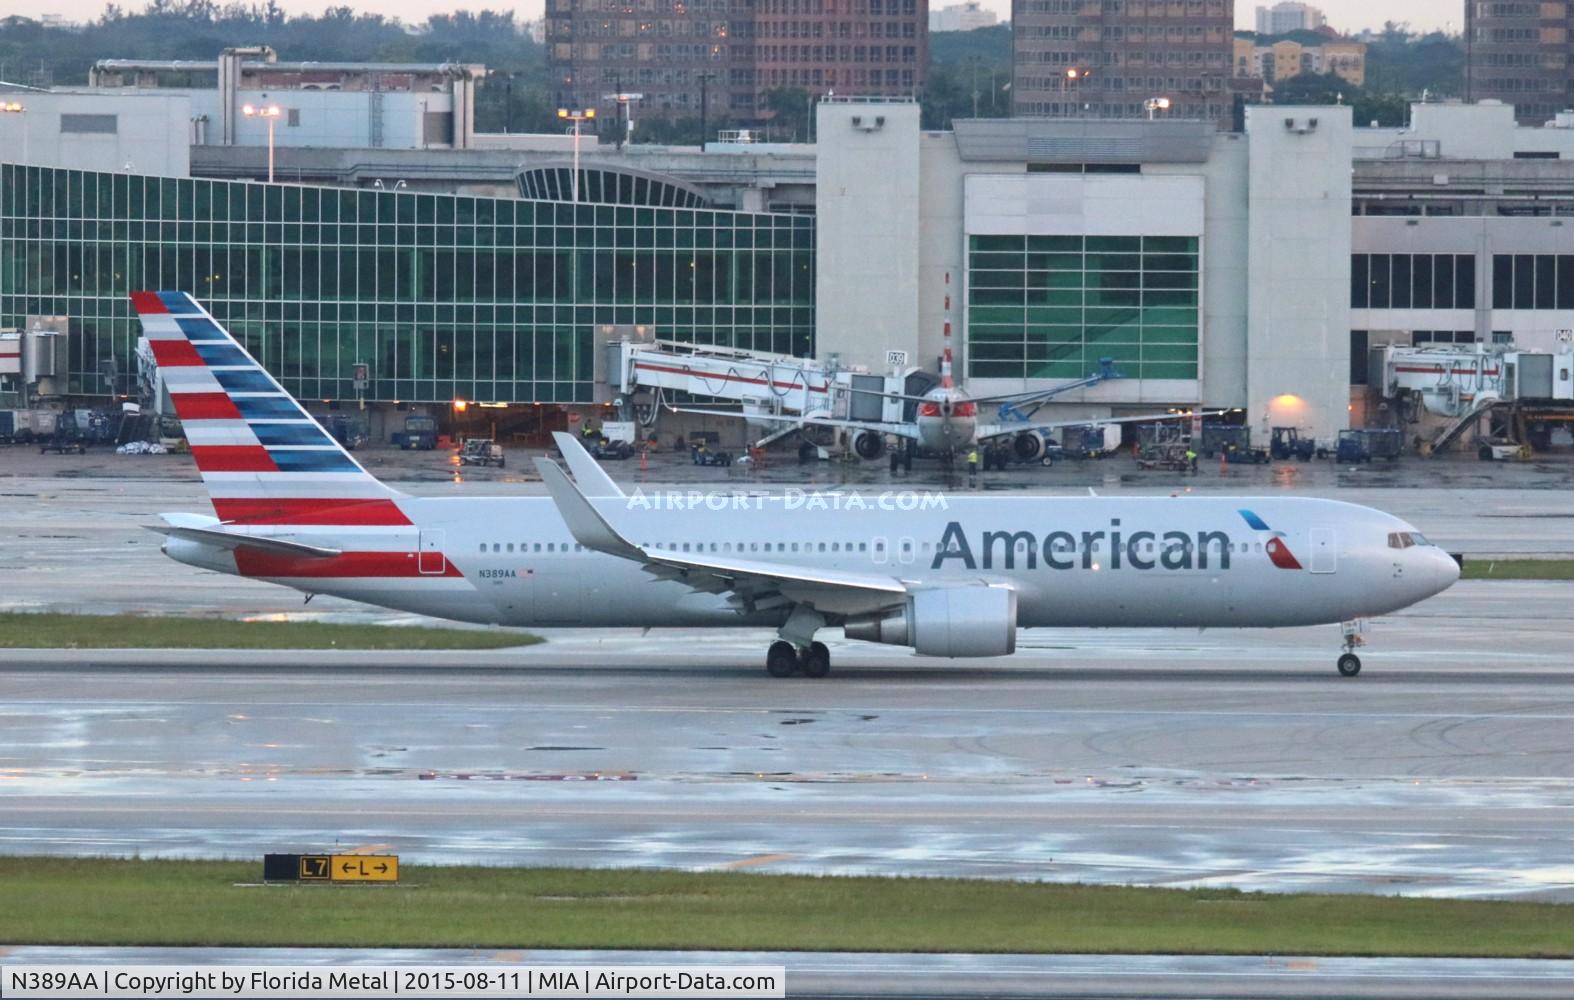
(952, 622)
(869, 445)
(1028, 446)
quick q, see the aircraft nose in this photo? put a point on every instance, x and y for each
(1442, 570)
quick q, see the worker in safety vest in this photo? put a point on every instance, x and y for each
(1191, 459)
(972, 464)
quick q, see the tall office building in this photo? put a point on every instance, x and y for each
(677, 56)
(1106, 58)
(730, 52)
(1283, 18)
(1520, 53)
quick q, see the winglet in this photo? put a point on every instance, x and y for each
(584, 522)
(592, 478)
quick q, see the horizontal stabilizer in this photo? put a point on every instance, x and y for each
(219, 538)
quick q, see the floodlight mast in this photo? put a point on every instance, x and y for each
(576, 116)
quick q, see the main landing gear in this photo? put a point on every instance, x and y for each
(784, 659)
(1349, 663)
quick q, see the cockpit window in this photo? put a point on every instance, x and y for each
(1406, 539)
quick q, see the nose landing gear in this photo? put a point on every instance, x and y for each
(1350, 664)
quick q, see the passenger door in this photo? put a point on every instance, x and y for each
(1325, 553)
(430, 560)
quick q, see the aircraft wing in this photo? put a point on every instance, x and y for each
(750, 584)
(987, 431)
(899, 430)
(223, 539)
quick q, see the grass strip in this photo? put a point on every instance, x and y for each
(23, 630)
(70, 901)
(1518, 569)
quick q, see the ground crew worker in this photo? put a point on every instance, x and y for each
(1191, 459)
(972, 465)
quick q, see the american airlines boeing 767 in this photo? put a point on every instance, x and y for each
(943, 576)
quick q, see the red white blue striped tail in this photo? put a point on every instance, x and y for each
(263, 458)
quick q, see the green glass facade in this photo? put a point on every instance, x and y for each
(443, 296)
(1051, 307)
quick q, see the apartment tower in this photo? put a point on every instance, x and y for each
(1519, 52)
(1110, 58)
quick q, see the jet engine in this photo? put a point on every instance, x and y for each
(952, 622)
(869, 445)
(1029, 446)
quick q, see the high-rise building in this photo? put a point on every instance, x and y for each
(728, 53)
(854, 47)
(686, 52)
(1283, 18)
(1520, 53)
(969, 16)
(1098, 59)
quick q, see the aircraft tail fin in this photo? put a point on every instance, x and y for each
(263, 458)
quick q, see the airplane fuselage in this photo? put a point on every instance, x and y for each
(1073, 562)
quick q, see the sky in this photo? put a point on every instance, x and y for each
(1345, 15)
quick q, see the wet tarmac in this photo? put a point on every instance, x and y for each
(844, 974)
(1222, 758)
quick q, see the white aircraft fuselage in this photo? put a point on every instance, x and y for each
(1074, 562)
(950, 576)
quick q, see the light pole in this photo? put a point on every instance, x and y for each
(576, 116)
(1074, 77)
(705, 79)
(270, 113)
(15, 108)
(1154, 105)
(624, 101)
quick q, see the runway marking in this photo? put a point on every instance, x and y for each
(758, 859)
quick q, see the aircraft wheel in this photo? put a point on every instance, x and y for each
(816, 660)
(1349, 665)
(781, 660)
(1047, 461)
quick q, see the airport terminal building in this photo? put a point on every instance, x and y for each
(1244, 269)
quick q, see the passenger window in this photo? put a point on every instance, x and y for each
(822, 546)
(863, 546)
(538, 547)
(1390, 541)
(685, 546)
(496, 547)
(795, 546)
(509, 547)
(836, 547)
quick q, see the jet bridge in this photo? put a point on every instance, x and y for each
(648, 373)
(1447, 391)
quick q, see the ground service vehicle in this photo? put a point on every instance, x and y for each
(420, 433)
(481, 451)
(945, 576)
(1288, 444)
